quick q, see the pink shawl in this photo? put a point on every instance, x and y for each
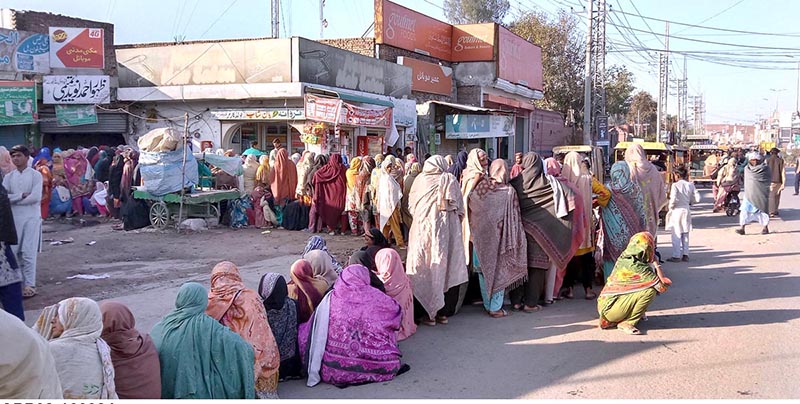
(644, 173)
(75, 167)
(581, 179)
(398, 286)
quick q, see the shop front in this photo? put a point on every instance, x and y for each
(85, 127)
(447, 128)
(242, 126)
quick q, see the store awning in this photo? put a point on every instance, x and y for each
(468, 108)
(350, 97)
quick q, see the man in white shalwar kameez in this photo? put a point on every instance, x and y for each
(24, 186)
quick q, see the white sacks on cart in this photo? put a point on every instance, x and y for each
(162, 172)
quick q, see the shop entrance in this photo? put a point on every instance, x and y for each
(264, 133)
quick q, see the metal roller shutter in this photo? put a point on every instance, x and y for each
(106, 123)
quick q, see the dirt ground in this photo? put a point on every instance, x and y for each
(145, 259)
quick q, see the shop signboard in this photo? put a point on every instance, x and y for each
(465, 126)
(76, 90)
(323, 109)
(428, 77)
(258, 114)
(77, 48)
(474, 42)
(519, 61)
(407, 29)
(370, 117)
(17, 102)
(23, 51)
(334, 67)
(75, 115)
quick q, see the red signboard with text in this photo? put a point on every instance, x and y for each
(322, 109)
(473, 42)
(372, 117)
(519, 61)
(77, 48)
(407, 29)
(428, 77)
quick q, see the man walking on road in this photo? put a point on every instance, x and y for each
(756, 194)
(778, 180)
(24, 187)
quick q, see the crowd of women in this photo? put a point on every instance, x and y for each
(530, 231)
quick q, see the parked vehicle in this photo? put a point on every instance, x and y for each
(697, 160)
(594, 153)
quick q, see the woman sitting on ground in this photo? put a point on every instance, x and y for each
(352, 337)
(28, 368)
(364, 259)
(398, 287)
(242, 310)
(306, 289)
(318, 243)
(635, 281)
(83, 359)
(375, 241)
(137, 373)
(282, 317)
(190, 347)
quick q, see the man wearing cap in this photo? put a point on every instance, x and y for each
(276, 143)
(757, 178)
(24, 186)
(778, 181)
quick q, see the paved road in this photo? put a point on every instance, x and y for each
(728, 328)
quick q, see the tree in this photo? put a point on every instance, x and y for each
(563, 59)
(644, 111)
(476, 11)
(619, 93)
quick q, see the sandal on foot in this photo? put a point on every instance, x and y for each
(29, 291)
(533, 309)
(591, 295)
(628, 329)
(441, 319)
(516, 307)
(500, 313)
(429, 322)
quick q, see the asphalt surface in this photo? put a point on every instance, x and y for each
(728, 328)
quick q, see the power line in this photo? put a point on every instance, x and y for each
(718, 43)
(737, 31)
(716, 15)
(219, 18)
(188, 21)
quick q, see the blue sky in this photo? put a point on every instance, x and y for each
(732, 94)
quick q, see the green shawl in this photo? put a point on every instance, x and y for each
(633, 272)
(201, 358)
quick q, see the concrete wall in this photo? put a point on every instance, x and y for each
(548, 131)
(362, 46)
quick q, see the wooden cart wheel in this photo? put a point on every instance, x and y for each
(214, 211)
(159, 215)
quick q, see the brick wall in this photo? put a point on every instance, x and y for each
(469, 95)
(362, 46)
(40, 22)
(548, 131)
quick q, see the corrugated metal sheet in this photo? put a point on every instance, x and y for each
(106, 123)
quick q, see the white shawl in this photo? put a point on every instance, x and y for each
(389, 192)
(27, 368)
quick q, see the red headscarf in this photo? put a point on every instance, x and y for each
(330, 191)
(284, 177)
(305, 288)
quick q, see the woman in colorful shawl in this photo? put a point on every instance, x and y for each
(249, 171)
(262, 202)
(351, 206)
(128, 173)
(6, 165)
(305, 165)
(314, 222)
(318, 243)
(457, 167)
(374, 184)
(621, 218)
(358, 202)
(47, 184)
(201, 358)
(435, 262)
(728, 179)
(397, 286)
(390, 192)
(322, 266)
(137, 373)
(305, 288)
(408, 182)
(103, 165)
(28, 369)
(634, 283)
(352, 338)
(282, 316)
(262, 173)
(644, 173)
(83, 359)
(330, 192)
(80, 179)
(473, 173)
(582, 266)
(755, 205)
(410, 160)
(283, 175)
(58, 170)
(549, 233)
(241, 310)
(499, 253)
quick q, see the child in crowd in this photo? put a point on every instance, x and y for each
(682, 196)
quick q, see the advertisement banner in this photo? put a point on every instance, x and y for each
(519, 61)
(77, 48)
(258, 114)
(17, 102)
(406, 29)
(76, 90)
(463, 126)
(75, 115)
(474, 42)
(372, 117)
(323, 109)
(428, 77)
(23, 51)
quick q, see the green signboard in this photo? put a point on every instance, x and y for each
(17, 102)
(75, 115)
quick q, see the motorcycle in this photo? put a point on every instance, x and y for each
(732, 204)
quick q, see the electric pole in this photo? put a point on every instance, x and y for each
(587, 84)
(663, 88)
(595, 121)
(276, 18)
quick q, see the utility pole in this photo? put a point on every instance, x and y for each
(275, 24)
(587, 84)
(685, 94)
(323, 23)
(663, 88)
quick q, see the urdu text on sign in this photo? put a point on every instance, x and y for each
(76, 90)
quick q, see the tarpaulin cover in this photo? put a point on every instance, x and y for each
(162, 172)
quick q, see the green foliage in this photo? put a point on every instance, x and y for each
(619, 93)
(644, 110)
(476, 11)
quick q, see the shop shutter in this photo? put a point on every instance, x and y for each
(106, 123)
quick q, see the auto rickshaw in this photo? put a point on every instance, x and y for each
(698, 154)
(594, 153)
(664, 156)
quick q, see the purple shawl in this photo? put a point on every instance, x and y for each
(362, 331)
